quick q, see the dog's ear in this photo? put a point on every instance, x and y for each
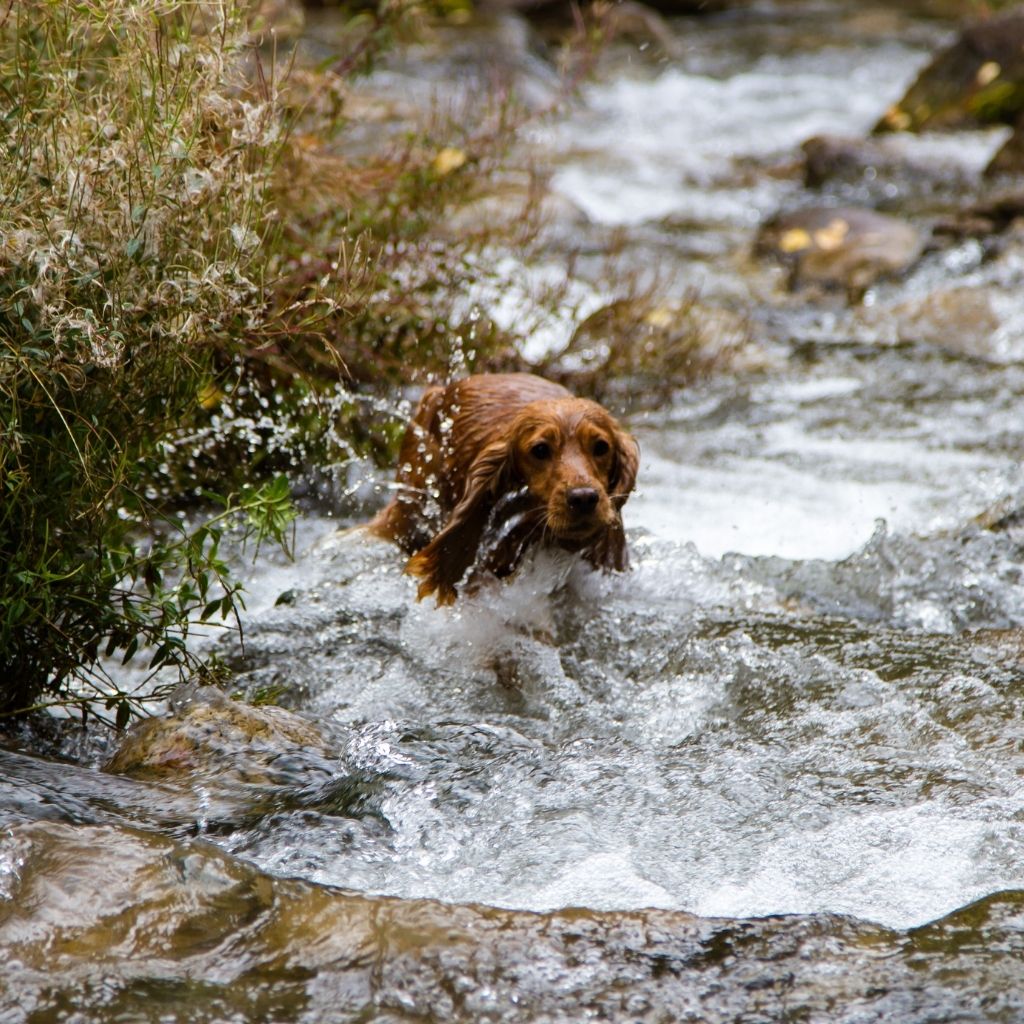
(627, 463)
(444, 561)
(609, 551)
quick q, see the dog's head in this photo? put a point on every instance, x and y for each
(573, 466)
(575, 462)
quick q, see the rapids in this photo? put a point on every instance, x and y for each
(773, 773)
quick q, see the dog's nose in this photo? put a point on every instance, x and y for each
(581, 500)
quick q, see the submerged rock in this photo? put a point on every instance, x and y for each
(207, 732)
(978, 80)
(980, 322)
(97, 919)
(841, 247)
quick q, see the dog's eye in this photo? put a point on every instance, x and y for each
(601, 447)
(541, 450)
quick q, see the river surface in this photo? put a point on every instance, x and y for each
(772, 774)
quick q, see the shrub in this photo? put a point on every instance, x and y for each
(135, 175)
(182, 235)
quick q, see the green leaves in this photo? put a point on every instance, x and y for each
(116, 305)
(269, 511)
(128, 596)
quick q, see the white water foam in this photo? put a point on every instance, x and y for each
(649, 148)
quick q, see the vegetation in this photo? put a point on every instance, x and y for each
(181, 235)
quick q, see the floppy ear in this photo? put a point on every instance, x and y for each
(627, 462)
(609, 551)
(444, 561)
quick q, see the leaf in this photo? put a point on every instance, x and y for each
(124, 715)
(129, 651)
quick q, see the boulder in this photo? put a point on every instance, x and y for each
(207, 733)
(977, 81)
(840, 247)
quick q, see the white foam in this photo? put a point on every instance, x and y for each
(899, 867)
(653, 147)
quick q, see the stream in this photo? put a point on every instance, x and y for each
(773, 773)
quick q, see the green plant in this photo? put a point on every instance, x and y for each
(135, 163)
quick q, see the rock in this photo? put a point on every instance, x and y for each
(841, 247)
(113, 924)
(208, 732)
(999, 214)
(959, 320)
(830, 159)
(979, 322)
(978, 80)
(640, 349)
(1010, 157)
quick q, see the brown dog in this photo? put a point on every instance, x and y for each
(496, 463)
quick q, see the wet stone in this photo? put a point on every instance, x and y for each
(98, 919)
(879, 168)
(637, 351)
(1009, 160)
(207, 732)
(980, 322)
(842, 247)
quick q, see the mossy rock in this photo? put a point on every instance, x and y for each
(977, 81)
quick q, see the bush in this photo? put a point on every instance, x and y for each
(135, 177)
(182, 236)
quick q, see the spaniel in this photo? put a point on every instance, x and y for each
(496, 463)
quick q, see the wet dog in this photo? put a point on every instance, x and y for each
(497, 463)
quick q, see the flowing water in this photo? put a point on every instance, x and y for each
(773, 773)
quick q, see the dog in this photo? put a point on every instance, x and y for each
(497, 463)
